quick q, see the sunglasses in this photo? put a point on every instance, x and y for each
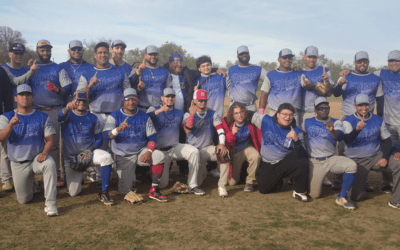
(202, 100)
(40, 43)
(77, 49)
(322, 108)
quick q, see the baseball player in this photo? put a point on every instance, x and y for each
(149, 79)
(117, 50)
(81, 133)
(283, 85)
(214, 84)
(283, 155)
(30, 138)
(167, 121)
(323, 133)
(242, 80)
(368, 144)
(130, 130)
(199, 125)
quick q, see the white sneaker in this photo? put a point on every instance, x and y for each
(214, 173)
(326, 182)
(51, 211)
(222, 192)
(301, 196)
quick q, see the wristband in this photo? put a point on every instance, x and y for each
(151, 151)
(114, 132)
(221, 138)
(261, 111)
(190, 120)
(138, 73)
(65, 111)
(151, 146)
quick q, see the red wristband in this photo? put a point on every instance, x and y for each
(151, 145)
(189, 122)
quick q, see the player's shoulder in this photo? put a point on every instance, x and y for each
(163, 70)
(179, 112)
(40, 114)
(376, 118)
(308, 121)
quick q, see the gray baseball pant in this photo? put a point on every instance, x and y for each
(208, 154)
(5, 166)
(55, 152)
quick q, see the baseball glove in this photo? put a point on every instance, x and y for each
(133, 198)
(180, 188)
(322, 88)
(82, 161)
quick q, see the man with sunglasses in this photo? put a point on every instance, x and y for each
(117, 50)
(200, 125)
(323, 133)
(167, 122)
(283, 85)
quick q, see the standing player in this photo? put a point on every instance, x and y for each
(81, 132)
(167, 121)
(212, 83)
(30, 138)
(117, 50)
(199, 125)
(130, 130)
(323, 133)
(282, 85)
(149, 79)
(242, 80)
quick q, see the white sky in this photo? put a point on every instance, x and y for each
(338, 28)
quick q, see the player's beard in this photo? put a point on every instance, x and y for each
(42, 60)
(152, 64)
(244, 62)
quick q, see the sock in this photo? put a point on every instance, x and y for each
(348, 180)
(105, 177)
(156, 171)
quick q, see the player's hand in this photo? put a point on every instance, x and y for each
(164, 108)
(192, 108)
(344, 73)
(72, 105)
(222, 150)
(235, 129)
(124, 125)
(197, 86)
(34, 68)
(30, 62)
(41, 157)
(14, 120)
(221, 72)
(93, 81)
(343, 80)
(297, 68)
(140, 85)
(381, 163)
(146, 157)
(396, 156)
(324, 75)
(361, 124)
(292, 134)
(307, 84)
(142, 66)
(51, 87)
(329, 125)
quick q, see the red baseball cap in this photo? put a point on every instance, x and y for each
(200, 94)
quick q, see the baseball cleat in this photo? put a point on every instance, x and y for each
(394, 205)
(386, 189)
(342, 201)
(51, 211)
(222, 192)
(156, 195)
(249, 187)
(301, 196)
(7, 186)
(105, 198)
(196, 191)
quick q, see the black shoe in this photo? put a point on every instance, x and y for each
(196, 191)
(105, 198)
(386, 189)
(369, 188)
(156, 195)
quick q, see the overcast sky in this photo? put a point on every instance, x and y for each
(338, 28)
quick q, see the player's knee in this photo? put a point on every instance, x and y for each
(74, 193)
(351, 168)
(158, 157)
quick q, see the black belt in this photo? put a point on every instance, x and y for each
(49, 108)
(165, 149)
(322, 158)
(245, 104)
(22, 162)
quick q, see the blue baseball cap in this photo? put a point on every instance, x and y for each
(320, 100)
(118, 42)
(242, 49)
(75, 43)
(24, 88)
(311, 51)
(175, 58)
(361, 55)
(151, 49)
(285, 52)
(394, 55)
(361, 99)
(82, 95)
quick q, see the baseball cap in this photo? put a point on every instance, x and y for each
(151, 49)
(311, 51)
(320, 100)
(17, 47)
(169, 91)
(175, 58)
(242, 49)
(361, 99)
(24, 88)
(130, 92)
(285, 52)
(75, 43)
(118, 42)
(394, 55)
(82, 95)
(361, 55)
(200, 94)
(43, 43)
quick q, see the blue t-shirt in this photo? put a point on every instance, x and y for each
(215, 87)
(391, 93)
(125, 68)
(244, 82)
(75, 72)
(242, 137)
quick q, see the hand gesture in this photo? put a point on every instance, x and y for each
(124, 125)
(34, 68)
(197, 86)
(307, 84)
(235, 129)
(51, 87)
(297, 68)
(361, 124)
(140, 85)
(192, 108)
(142, 66)
(329, 125)
(222, 150)
(164, 108)
(72, 105)
(93, 81)
(41, 157)
(146, 157)
(344, 73)
(14, 121)
(324, 75)
(292, 134)
(381, 163)
(221, 72)
(342, 80)
(30, 62)
(396, 156)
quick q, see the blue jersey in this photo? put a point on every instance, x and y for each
(132, 140)
(203, 131)
(283, 87)
(242, 137)
(273, 138)
(242, 82)
(215, 87)
(106, 96)
(42, 97)
(125, 68)
(167, 126)
(75, 71)
(391, 93)
(359, 84)
(26, 140)
(320, 141)
(368, 141)
(79, 132)
(309, 96)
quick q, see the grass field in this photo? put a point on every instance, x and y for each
(240, 221)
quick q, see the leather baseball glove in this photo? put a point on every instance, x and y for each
(180, 188)
(322, 88)
(83, 160)
(133, 198)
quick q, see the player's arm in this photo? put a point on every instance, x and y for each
(98, 141)
(65, 83)
(350, 133)
(6, 92)
(228, 81)
(111, 131)
(6, 126)
(386, 142)
(188, 119)
(152, 140)
(49, 133)
(265, 88)
(380, 101)
(221, 148)
(338, 90)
